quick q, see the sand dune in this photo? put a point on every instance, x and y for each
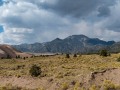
(6, 50)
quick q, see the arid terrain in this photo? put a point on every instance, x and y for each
(6, 51)
(59, 44)
(84, 72)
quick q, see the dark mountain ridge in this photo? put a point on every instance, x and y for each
(71, 44)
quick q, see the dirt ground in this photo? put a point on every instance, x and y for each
(110, 74)
(28, 82)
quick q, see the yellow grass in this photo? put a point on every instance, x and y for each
(63, 70)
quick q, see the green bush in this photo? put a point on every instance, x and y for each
(35, 71)
(104, 53)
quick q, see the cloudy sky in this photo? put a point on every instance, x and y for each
(29, 21)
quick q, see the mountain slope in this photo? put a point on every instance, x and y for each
(7, 50)
(71, 44)
(115, 47)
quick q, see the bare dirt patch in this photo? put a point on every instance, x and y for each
(97, 78)
(28, 82)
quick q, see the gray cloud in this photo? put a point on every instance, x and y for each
(104, 11)
(113, 22)
(28, 21)
(79, 8)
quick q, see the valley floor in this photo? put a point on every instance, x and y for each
(60, 73)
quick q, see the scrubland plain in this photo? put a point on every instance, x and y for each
(84, 72)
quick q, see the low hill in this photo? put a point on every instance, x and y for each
(10, 52)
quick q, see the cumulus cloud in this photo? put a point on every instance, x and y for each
(28, 21)
(19, 35)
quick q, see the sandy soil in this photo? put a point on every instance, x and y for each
(29, 82)
(112, 75)
(8, 50)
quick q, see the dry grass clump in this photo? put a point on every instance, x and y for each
(10, 87)
(108, 85)
(93, 87)
(64, 86)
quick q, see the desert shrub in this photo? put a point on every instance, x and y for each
(59, 75)
(8, 56)
(20, 67)
(104, 53)
(41, 88)
(118, 59)
(73, 82)
(76, 86)
(75, 55)
(24, 58)
(67, 56)
(2, 57)
(18, 75)
(64, 86)
(93, 87)
(35, 71)
(117, 87)
(10, 87)
(17, 56)
(108, 85)
(31, 56)
(109, 54)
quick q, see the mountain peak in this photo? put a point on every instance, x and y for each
(57, 39)
(77, 36)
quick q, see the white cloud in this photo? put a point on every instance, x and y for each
(16, 35)
(27, 21)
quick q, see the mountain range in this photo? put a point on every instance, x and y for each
(71, 44)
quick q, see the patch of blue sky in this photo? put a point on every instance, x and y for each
(1, 29)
